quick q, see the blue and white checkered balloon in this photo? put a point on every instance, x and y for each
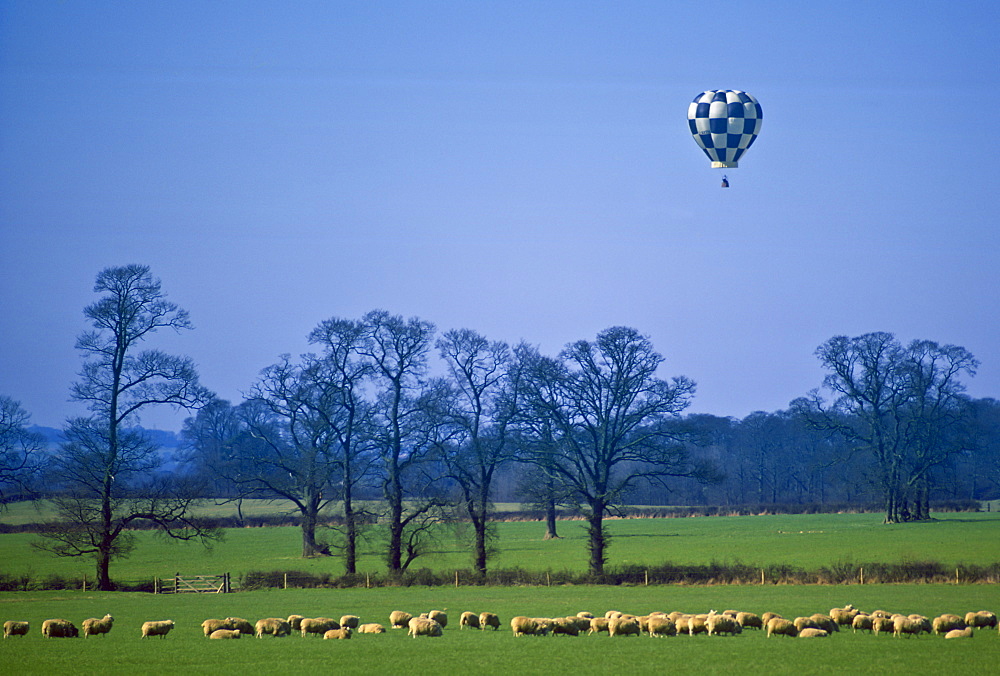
(724, 123)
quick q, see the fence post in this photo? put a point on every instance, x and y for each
(368, 581)
(286, 582)
(762, 576)
(647, 577)
(956, 576)
(862, 574)
(548, 580)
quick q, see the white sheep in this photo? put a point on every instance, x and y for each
(225, 634)
(93, 626)
(749, 620)
(211, 625)
(399, 619)
(661, 626)
(585, 614)
(812, 632)
(959, 633)
(342, 633)
(350, 621)
(15, 628)
(295, 622)
(529, 626)
(275, 626)
(468, 619)
(439, 616)
(825, 622)
(942, 624)
(317, 625)
(862, 622)
(981, 619)
(371, 628)
(566, 626)
(597, 625)
(157, 628)
(716, 625)
(421, 626)
(909, 626)
(58, 628)
(624, 626)
(781, 626)
(489, 620)
(845, 615)
(880, 624)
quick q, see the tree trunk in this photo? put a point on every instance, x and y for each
(550, 520)
(350, 533)
(394, 559)
(597, 538)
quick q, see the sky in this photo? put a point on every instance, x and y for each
(523, 169)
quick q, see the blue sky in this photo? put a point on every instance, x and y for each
(523, 169)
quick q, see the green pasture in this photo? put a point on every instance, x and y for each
(187, 651)
(805, 541)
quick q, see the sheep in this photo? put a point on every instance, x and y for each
(351, 621)
(598, 624)
(468, 619)
(566, 626)
(157, 628)
(274, 626)
(317, 625)
(399, 619)
(93, 626)
(59, 629)
(438, 616)
(959, 633)
(238, 623)
(862, 622)
(225, 634)
(749, 620)
(420, 626)
(371, 628)
(581, 623)
(15, 628)
(881, 613)
(342, 633)
(766, 617)
(624, 626)
(612, 614)
(811, 632)
(880, 624)
(295, 622)
(661, 626)
(845, 615)
(925, 624)
(981, 619)
(722, 624)
(212, 625)
(781, 626)
(585, 614)
(529, 626)
(825, 622)
(489, 620)
(696, 624)
(805, 622)
(909, 626)
(942, 624)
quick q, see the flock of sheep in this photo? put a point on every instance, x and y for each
(614, 623)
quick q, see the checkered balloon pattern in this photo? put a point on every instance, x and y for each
(724, 123)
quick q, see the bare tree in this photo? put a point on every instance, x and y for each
(118, 383)
(606, 407)
(20, 451)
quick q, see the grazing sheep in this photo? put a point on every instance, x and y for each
(489, 620)
(845, 615)
(722, 624)
(624, 626)
(93, 626)
(438, 616)
(925, 624)
(862, 622)
(238, 623)
(581, 623)
(566, 626)
(981, 619)
(825, 622)
(749, 621)
(781, 626)
(598, 624)
(881, 624)
(399, 619)
(15, 628)
(812, 632)
(959, 633)
(942, 624)
(371, 628)
(766, 617)
(882, 613)
(157, 628)
(59, 629)
(909, 626)
(612, 614)
(585, 614)
(659, 625)
(275, 626)
(420, 626)
(317, 625)
(468, 619)
(225, 633)
(696, 624)
(529, 626)
(805, 623)
(342, 633)
(351, 621)
(295, 622)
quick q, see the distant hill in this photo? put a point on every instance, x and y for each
(162, 438)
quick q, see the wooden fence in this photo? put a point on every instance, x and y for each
(217, 584)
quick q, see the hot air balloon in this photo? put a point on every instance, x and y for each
(724, 123)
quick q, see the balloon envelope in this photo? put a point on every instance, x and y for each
(724, 123)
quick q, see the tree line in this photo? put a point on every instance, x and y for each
(362, 426)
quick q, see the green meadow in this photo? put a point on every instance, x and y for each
(807, 541)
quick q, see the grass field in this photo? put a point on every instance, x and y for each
(806, 541)
(187, 651)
